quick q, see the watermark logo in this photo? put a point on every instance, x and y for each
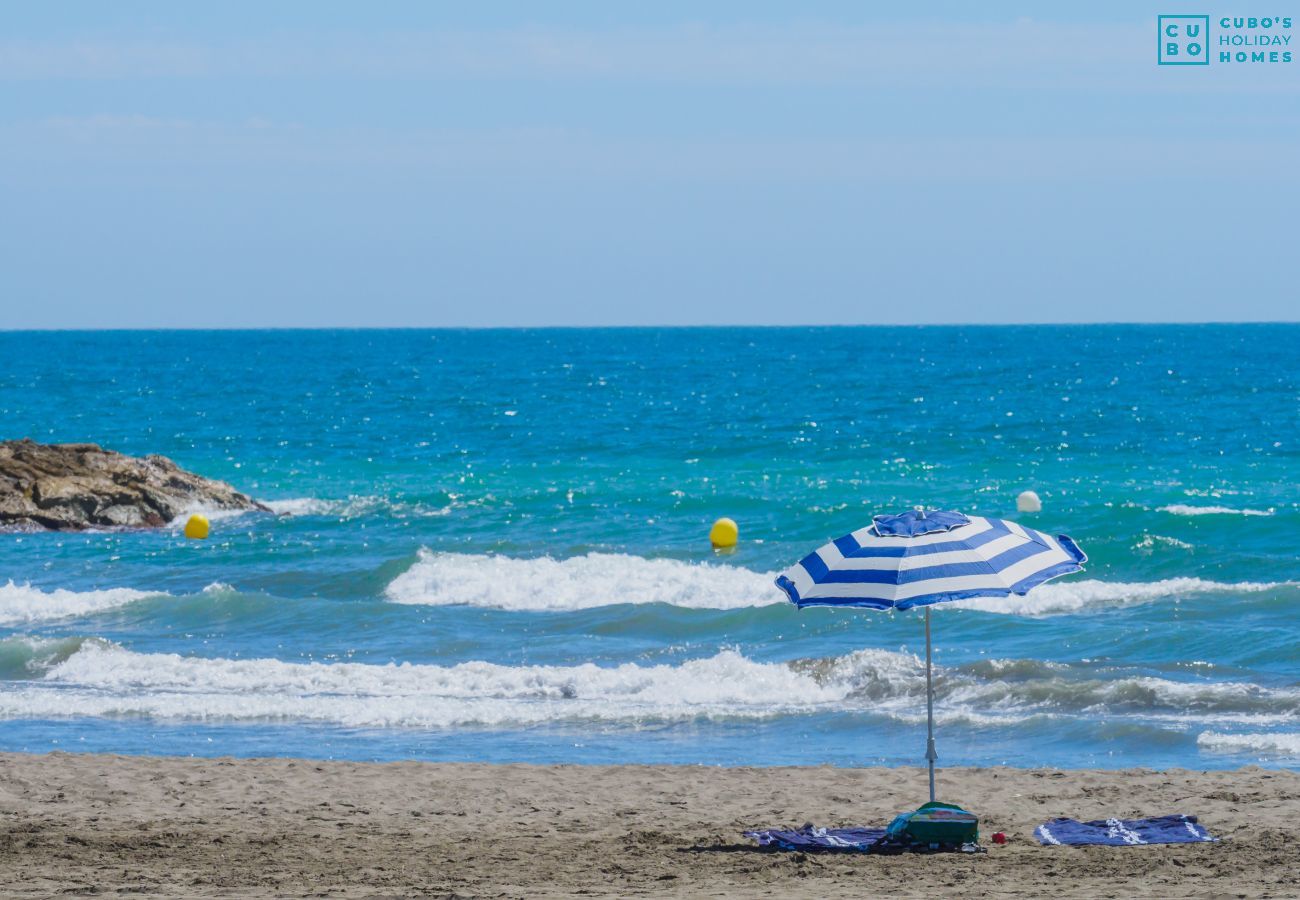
(1184, 40)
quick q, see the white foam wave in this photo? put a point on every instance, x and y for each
(358, 505)
(301, 506)
(22, 604)
(99, 678)
(1282, 744)
(1150, 541)
(103, 679)
(1064, 597)
(604, 579)
(1179, 509)
(582, 582)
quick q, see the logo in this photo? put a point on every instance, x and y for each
(1184, 40)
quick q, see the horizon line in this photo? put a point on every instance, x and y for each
(701, 326)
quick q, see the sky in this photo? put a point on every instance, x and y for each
(318, 164)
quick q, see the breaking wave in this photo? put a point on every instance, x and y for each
(581, 582)
(301, 506)
(1281, 744)
(93, 677)
(606, 579)
(25, 658)
(1064, 597)
(359, 505)
(102, 679)
(22, 604)
(1150, 541)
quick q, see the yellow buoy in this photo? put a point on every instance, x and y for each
(197, 527)
(724, 533)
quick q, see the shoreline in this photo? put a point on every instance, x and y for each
(185, 826)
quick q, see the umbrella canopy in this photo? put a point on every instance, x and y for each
(922, 557)
(928, 556)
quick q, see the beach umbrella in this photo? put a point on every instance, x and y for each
(922, 557)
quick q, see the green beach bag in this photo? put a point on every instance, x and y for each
(936, 824)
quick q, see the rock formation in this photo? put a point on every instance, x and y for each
(68, 487)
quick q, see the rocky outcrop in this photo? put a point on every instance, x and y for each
(68, 487)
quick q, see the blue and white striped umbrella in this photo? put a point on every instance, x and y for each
(922, 557)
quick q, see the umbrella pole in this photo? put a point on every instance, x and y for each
(930, 754)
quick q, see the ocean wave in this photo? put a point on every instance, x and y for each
(1150, 541)
(108, 680)
(26, 657)
(1272, 744)
(895, 683)
(93, 677)
(581, 582)
(1179, 509)
(301, 506)
(1064, 597)
(361, 505)
(348, 508)
(22, 604)
(606, 579)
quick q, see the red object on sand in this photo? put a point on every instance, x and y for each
(999, 837)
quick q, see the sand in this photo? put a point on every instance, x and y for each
(276, 827)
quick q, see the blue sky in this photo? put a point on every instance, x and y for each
(480, 164)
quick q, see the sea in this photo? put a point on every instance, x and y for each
(492, 545)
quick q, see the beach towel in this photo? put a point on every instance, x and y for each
(811, 838)
(1123, 832)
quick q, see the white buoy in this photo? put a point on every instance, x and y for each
(1028, 501)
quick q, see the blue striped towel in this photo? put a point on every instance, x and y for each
(810, 837)
(1123, 832)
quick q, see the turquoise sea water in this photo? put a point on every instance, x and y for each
(493, 545)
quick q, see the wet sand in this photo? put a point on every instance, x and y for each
(276, 827)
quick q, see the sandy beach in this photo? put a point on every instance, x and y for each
(280, 827)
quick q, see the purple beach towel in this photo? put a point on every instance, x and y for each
(1123, 832)
(810, 837)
